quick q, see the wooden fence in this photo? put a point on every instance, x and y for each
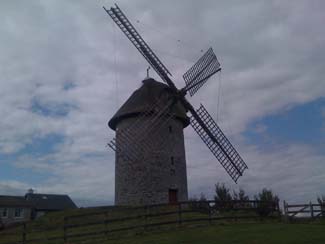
(310, 210)
(112, 222)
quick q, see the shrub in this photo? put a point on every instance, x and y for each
(222, 193)
(242, 198)
(267, 202)
(223, 197)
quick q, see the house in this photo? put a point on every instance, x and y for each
(14, 209)
(44, 203)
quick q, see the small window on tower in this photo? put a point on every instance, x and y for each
(172, 160)
(170, 129)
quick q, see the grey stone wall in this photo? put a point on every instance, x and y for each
(148, 181)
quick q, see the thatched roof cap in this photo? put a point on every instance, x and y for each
(142, 99)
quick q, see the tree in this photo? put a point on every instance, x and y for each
(240, 196)
(267, 195)
(222, 193)
(267, 202)
(223, 197)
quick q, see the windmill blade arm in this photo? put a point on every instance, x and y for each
(128, 29)
(201, 71)
(217, 142)
(194, 87)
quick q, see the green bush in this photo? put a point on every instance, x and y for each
(268, 202)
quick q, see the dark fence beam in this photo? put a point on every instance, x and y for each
(145, 218)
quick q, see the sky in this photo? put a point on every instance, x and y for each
(65, 69)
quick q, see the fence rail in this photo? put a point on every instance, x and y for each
(104, 222)
(310, 210)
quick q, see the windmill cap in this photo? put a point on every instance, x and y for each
(142, 100)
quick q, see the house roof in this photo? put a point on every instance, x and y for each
(142, 99)
(14, 201)
(50, 201)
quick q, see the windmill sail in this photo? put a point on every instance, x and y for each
(218, 143)
(201, 71)
(124, 24)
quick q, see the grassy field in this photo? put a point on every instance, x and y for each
(236, 233)
(264, 233)
(222, 231)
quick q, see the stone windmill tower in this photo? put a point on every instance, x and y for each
(158, 175)
(149, 142)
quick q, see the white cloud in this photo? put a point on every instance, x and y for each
(272, 56)
(13, 187)
(294, 172)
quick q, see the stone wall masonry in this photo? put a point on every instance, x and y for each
(148, 181)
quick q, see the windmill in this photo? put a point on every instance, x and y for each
(144, 150)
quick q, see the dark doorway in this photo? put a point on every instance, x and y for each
(173, 196)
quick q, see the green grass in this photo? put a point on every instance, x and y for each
(264, 233)
(222, 231)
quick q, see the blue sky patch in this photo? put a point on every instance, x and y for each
(69, 85)
(10, 172)
(43, 146)
(50, 109)
(300, 124)
(39, 147)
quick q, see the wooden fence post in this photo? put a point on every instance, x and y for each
(65, 237)
(311, 210)
(179, 213)
(278, 209)
(145, 217)
(285, 210)
(106, 224)
(24, 234)
(209, 208)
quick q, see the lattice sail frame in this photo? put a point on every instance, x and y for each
(136, 141)
(201, 71)
(221, 148)
(124, 24)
